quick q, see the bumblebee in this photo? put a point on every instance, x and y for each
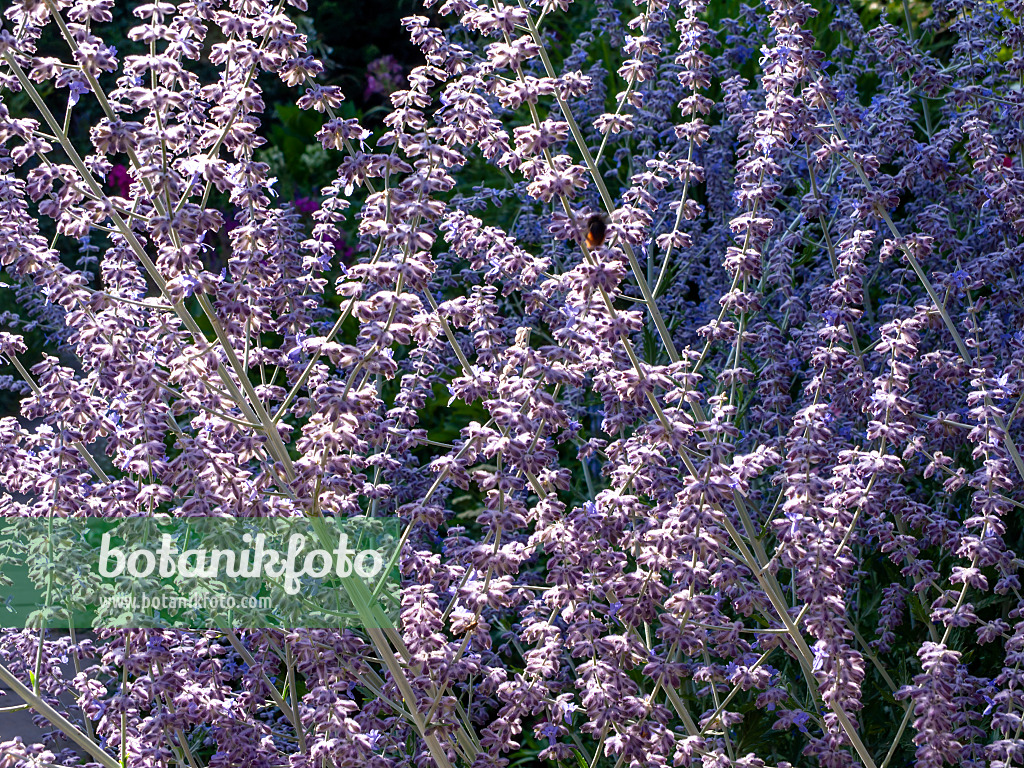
(597, 230)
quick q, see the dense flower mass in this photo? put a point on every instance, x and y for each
(735, 484)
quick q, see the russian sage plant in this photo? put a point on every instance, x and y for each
(737, 484)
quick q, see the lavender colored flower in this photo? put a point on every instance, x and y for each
(747, 464)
